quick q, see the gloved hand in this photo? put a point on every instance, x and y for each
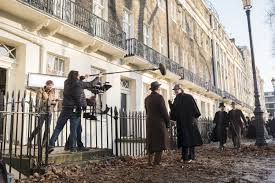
(168, 125)
(84, 109)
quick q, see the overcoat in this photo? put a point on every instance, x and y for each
(185, 112)
(235, 117)
(221, 125)
(157, 122)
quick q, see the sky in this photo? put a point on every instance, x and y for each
(233, 18)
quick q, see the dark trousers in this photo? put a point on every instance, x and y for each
(41, 120)
(78, 138)
(62, 120)
(188, 153)
(157, 158)
(236, 136)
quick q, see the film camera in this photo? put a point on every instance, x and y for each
(97, 89)
(100, 88)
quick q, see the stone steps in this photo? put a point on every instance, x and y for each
(59, 156)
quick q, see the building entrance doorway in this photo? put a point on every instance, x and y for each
(3, 80)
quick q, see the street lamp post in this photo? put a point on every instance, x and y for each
(273, 84)
(260, 138)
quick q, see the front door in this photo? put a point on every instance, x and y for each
(123, 120)
(3, 80)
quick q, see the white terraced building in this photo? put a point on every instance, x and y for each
(52, 37)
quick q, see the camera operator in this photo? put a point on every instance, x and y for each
(84, 85)
(71, 110)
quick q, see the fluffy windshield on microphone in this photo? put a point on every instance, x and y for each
(162, 69)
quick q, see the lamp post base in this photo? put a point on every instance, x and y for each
(260, 132)
(260, 143)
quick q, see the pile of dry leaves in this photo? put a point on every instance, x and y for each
(250, 164)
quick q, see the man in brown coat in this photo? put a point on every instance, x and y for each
(236, 124)
(157, 120)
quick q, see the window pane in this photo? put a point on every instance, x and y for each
(55, 65)
(98, 8)
(127, 24)
(50, 64)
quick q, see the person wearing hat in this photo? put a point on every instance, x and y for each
(236, 119)
(222, 121)
(185, 112)
(157, 120)
(271, 124)
(177, 91)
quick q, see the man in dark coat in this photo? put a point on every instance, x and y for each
(272, 126)
(236, 124)
(157, 120)
(185, 112)
(222, 121)
(251, 130)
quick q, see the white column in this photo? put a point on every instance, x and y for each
(139, 94)
(43, 60)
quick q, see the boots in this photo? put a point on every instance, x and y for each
(157, 158)
(150, 157)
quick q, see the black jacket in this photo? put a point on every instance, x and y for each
(221, 125)
(86, 85)
(72, 94)
(235, 117)
(185, 112)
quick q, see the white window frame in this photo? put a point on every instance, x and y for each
(60, 9)
(175, 53)
(126, 89)
(203, 108)
(128, 24)
(147, 35)
(161, 45)
(190, 25)
(173, 10)
(7, 51)
(161, 4)
(56, 61)
(183, 21)
(98, 5)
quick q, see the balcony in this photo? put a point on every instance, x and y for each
(68, 20)
(231, 97)
(144, 56)
(192, 81)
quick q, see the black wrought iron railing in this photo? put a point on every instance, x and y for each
(21, 148)
(78, 16)
(137, 48)
(194, 78)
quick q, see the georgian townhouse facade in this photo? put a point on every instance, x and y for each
(52, 37)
